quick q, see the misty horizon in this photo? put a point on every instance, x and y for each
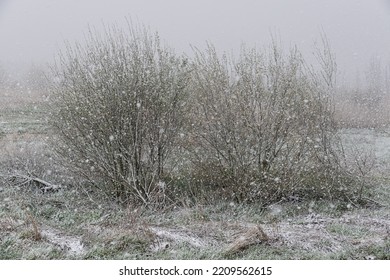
(34, 32)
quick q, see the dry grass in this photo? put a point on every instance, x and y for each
(251, 236)
(78, 228)
(36, 231)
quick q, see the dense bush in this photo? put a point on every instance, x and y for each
(262, 126)
(118, 110)
(133, 117)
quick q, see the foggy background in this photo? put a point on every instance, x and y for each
(32, 32)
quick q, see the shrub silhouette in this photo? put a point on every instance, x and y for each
(257, 128)
(118, 110)
(263, 127)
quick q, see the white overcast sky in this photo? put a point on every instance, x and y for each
(32, 31)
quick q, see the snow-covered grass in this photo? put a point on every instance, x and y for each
(80, 223)
(73, 227)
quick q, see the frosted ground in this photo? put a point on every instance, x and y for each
(78, 223)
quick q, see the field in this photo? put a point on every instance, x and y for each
(76, 222)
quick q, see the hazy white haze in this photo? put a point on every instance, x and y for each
(34, 31)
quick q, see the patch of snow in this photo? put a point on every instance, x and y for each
(71, 244)
(177, 236)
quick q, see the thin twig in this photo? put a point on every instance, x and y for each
(46, 185)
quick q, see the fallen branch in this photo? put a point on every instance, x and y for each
(373, 201)
(43, 185)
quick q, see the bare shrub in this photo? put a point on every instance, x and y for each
(118, 110)
(262, 125)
